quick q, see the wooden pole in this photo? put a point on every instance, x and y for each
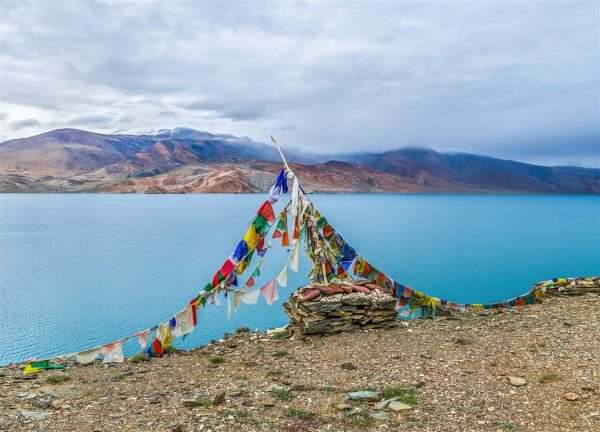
(324, 269)
(280, 153)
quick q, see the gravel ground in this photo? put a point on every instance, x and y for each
(455, 373)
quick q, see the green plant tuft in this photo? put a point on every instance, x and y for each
(280, 353)
(57, 379)
(216, 359)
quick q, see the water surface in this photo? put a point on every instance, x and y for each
(82, 270)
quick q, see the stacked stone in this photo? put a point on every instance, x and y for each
(573, 286)
(334, 308)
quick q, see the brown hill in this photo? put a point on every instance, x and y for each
(188, 161)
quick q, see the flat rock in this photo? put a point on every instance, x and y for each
(517, 381)
(35, 415)
(398, 406)
(380, 415)
(367, 395)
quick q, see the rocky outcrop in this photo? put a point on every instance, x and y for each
(572, 286)
(326, 309)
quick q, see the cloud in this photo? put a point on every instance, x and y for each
(25, 123)
(499, 78)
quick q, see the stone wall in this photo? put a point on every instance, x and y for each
(572, 286)
(335, 308)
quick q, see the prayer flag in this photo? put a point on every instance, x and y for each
(266, 210)
(114, 354)
(86, 357)
(270, 292)
(251, 237)
(250, 297)
(294, 256)
(184, 322)
(282, 276)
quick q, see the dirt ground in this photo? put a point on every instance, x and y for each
(451, 374)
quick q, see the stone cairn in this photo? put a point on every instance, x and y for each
(573, 286)
(324, 309)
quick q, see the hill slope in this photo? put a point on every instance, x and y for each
(184, 160)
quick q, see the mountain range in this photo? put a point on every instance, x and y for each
(184, 160)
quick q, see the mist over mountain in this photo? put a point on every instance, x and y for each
(184, 160)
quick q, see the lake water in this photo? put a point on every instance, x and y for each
(82, 270)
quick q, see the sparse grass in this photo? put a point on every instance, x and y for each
(542, 344)
(408, 395)
(282, 394)
(118, 377)
(280, 353)
(243, 330)
(362, 419)
(236, 414)
(328, 389)
(547, 377)
(206, 401)
(138, 358)
(509, 426)
(282, 334)
(216, 359)
(57, 379)
(275, 372)
(89, 393)
(299, 414)
(239, 377)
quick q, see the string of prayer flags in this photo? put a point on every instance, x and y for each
(270, 292)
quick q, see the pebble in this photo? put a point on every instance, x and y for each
(570, 396)
(516, 381)
(342, 406)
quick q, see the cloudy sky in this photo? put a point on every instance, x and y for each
(509, 79)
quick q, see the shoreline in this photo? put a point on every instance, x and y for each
(454, 372)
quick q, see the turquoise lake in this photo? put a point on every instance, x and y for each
(78, 271)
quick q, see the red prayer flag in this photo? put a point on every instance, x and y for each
(276, 234)
(250, 282)
(285, 240)
(266, 210)
(296, 233)
(327, 231)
